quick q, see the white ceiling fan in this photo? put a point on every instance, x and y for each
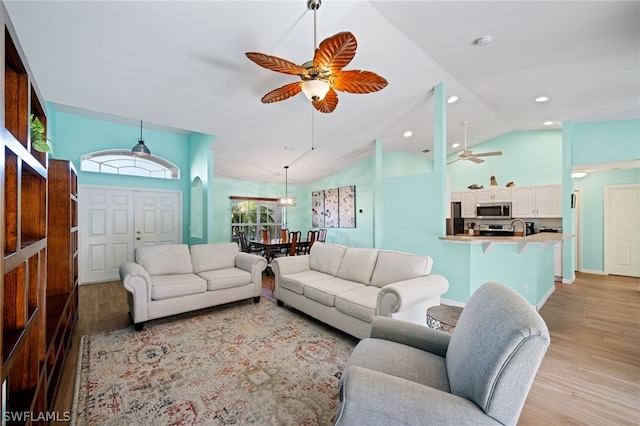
(467, 154)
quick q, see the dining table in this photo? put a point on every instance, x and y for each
(275, 246)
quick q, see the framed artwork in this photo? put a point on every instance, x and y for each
(334, 208)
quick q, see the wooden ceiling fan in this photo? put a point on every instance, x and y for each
(467, 154)
(321, 77)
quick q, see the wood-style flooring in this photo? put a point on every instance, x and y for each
(590, 374)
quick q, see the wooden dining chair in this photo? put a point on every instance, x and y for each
(312, 236)
(242, 238)
(294, 238)
(284, 235)
(322, 235)
(265, 236)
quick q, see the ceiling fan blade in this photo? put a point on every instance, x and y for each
(488, 154)
(475, 159)
(356, 81)
(274, 63)
(453, 161)
(335, 52)
(465, 153)
(328, 103)
(282, 93)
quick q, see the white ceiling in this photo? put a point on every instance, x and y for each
(181, 65)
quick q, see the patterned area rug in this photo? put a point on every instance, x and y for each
(239, 364)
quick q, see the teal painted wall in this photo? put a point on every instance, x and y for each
(528, 158)
(76, 135)
(199, 149)
(606, 141)
(592, 190)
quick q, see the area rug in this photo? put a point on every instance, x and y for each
(240, 364)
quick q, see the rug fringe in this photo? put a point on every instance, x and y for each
(76, 393)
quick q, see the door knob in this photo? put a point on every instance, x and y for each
(137, 232)
(138, 238)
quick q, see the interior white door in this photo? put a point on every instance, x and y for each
(157, 218)
(109, 221)
(621, 233)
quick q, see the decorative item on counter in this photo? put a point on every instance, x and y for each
(510, 184)
(475, 186)
(472, 226)
(494, 182)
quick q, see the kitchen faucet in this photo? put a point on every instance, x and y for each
(524, 226)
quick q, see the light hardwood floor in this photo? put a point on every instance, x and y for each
(590, 374)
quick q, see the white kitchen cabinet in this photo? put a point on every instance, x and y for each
(468, 199)
(537, 201)
(549, 201)
(456, 197)
(494, 194)
(557, 260)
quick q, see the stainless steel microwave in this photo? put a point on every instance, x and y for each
(493, 211)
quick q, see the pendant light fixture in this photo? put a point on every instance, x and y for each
(286, 200)
(140, 148)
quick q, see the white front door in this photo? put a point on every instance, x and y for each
(109, 221)
(621, 233)
(157, 218)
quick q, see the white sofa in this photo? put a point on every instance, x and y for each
(169, 279)
(346, 287)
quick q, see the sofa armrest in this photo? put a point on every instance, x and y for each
(255, 265)
(290, 265)
(403, 295)
(373, 398)
(137, 282)
(410, 334)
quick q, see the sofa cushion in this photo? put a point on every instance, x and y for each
(295, 282)
(393, 266)
(170, 286)
(359, 303)
(325, 291)
(357, 264)
(225, 278)
(207, 257)
(326, 257)
(164, 259)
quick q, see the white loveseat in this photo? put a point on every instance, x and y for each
(169, 279)
(346, 287)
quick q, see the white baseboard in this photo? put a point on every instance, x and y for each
(591, 271)
(545, 297)
(451, 303)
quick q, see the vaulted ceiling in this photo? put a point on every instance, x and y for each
(182, 65)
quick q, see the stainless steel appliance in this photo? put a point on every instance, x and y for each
(493, 211)
(495, 230)
(455, 225)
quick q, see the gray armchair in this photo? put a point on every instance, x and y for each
(480, 375)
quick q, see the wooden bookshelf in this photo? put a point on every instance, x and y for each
(62, 267)
(34, 339)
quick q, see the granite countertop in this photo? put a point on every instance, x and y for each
(544, 240)
(544, 237)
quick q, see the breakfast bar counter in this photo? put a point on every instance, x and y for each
(543, 239)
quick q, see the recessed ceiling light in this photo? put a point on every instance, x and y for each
(455, 145)
(482, 41)
(542, 99)
(578, 175)
(408, 134)
(548, 123)
(452, 99)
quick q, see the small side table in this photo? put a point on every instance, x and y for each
(443, 317)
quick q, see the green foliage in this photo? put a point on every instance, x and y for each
(39, 141)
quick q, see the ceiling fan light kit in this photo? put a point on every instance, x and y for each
(467, 154)
(322, 76)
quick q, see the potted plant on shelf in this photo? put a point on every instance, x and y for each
(39, 141)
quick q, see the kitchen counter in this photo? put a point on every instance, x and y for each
(543, 239)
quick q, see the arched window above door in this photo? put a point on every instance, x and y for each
(125, 162)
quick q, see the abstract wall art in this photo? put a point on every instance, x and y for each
(334, 208)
